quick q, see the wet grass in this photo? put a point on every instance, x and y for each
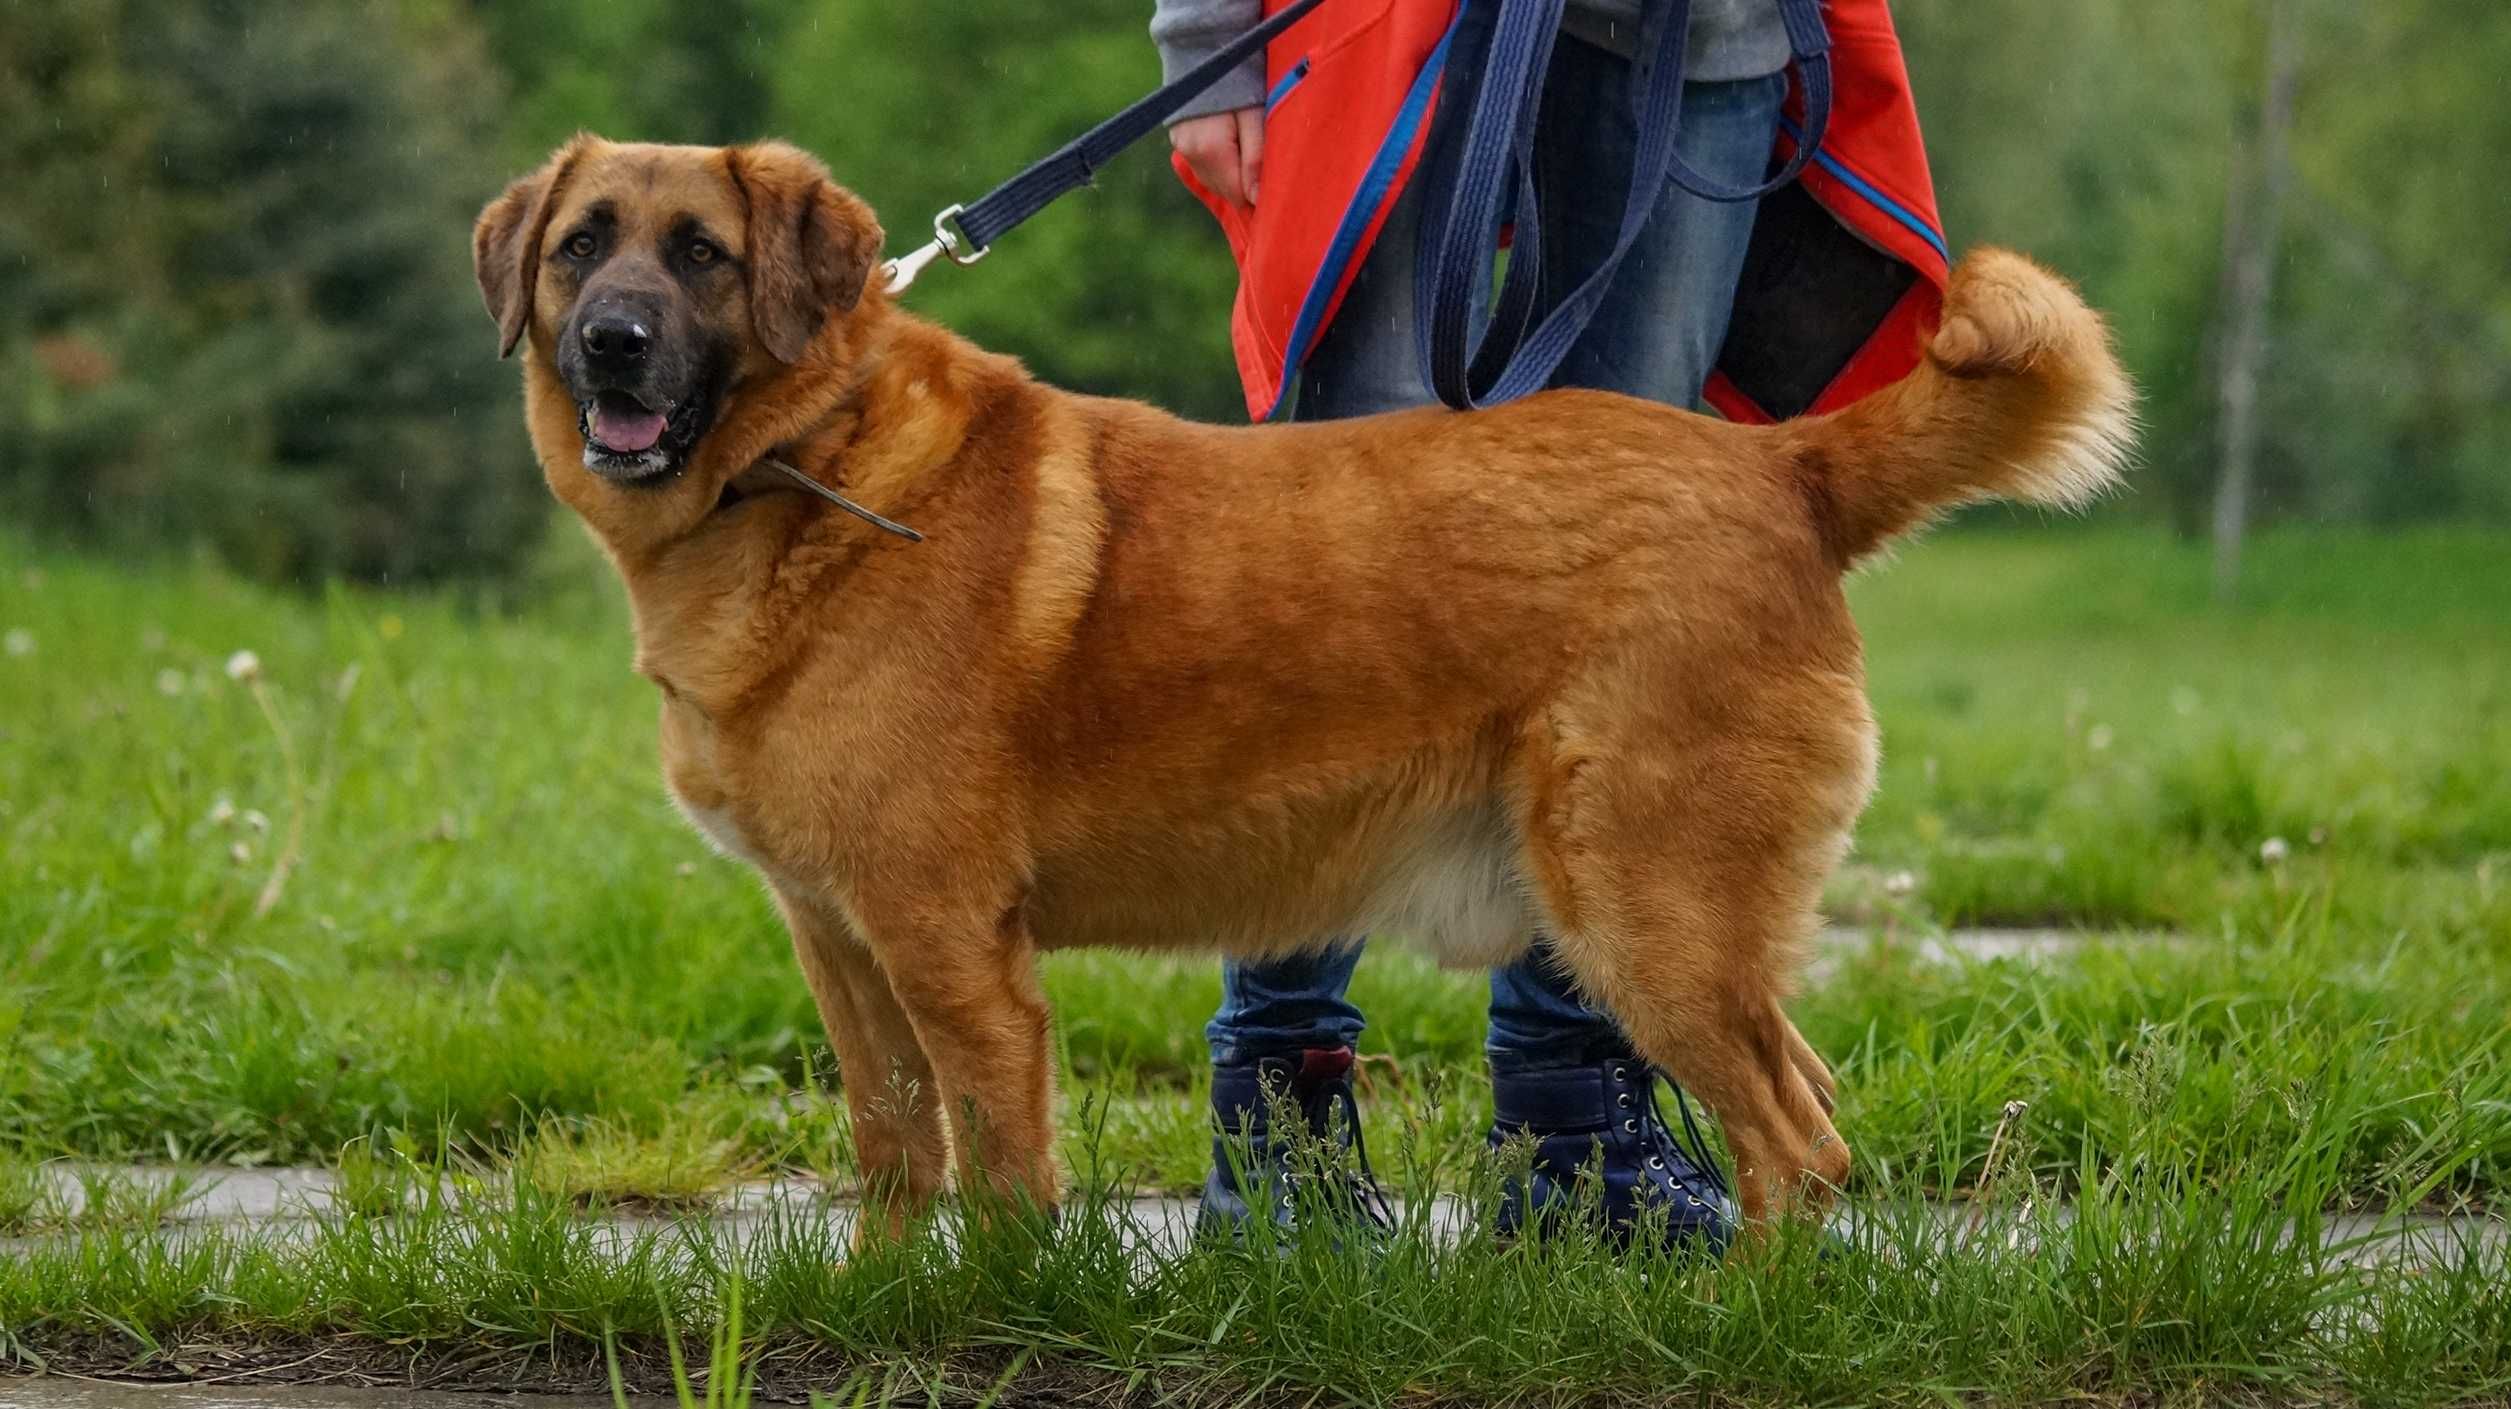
(600, 1163)
(490, 937)
(2167, 1279)
(401, 895)
(23, 1195)
(87, 1197)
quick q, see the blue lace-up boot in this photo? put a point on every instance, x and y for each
(1258, 1167)
(1601, 1121)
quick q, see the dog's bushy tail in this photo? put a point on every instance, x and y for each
(2018, 397)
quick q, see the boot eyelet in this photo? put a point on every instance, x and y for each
(1655, 1163)
(1621, 1073)
(1630, 1127)
(1622, 1100)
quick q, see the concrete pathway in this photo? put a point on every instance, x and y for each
(283, 1204)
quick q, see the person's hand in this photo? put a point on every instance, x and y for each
(1225, 151)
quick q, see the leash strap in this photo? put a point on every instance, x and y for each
(962, 234)
(1463, 208)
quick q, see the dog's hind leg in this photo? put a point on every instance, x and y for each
(1681, 868)
(891, 1099)
(1817, 1072)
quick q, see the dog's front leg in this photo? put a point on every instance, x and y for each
(890, 1094)
(966, 975)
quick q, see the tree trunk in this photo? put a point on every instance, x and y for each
(2253, 221)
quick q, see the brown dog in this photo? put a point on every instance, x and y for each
(1579, 662)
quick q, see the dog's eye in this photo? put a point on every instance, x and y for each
(578, 246)
(700, 252)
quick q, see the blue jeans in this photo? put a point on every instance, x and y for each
(1656, 335)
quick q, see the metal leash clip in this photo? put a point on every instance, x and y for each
(947, 243)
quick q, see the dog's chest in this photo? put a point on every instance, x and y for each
(694, 776)
(720, 828)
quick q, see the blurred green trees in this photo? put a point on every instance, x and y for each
(234, 307)
(238, 307)
(2097, 136)
(1122, 288)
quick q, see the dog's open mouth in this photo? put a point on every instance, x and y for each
(626, 439)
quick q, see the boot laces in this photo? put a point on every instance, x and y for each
(1691, 1147)
(1352, 1181)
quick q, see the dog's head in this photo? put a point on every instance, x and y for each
(654, 281)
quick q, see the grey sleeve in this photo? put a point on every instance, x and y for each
(1190, 31)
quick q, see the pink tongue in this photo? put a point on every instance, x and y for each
(627, 431)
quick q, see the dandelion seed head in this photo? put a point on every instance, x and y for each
(244, 666)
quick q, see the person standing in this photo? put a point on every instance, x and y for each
(1316, 161)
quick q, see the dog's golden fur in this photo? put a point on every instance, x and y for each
(1581, 663)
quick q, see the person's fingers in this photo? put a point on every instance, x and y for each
(1250, 149)
(1210, 146)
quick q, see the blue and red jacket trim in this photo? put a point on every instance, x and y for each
(1846, 274)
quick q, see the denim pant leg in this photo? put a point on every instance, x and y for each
(1285, 1005)
(1663, 320)
(1656, 335)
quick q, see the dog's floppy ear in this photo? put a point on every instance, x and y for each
(813, 244)
(506, 243)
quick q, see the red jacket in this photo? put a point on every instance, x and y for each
(1846, 272)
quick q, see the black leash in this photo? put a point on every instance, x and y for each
(963, 233)
(1510, 353)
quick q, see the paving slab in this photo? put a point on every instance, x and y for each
(286, 1204)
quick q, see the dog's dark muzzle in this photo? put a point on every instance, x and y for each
(639, 380)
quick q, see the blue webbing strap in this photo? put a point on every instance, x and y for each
(989, 217)
(1462, 208)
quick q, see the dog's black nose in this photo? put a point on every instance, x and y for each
(615, 338)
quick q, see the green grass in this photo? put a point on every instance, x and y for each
(494, 921)
(24, 1197)
(600, 1163)
(492, 949)
(91, 1197)
(2150, 1286)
